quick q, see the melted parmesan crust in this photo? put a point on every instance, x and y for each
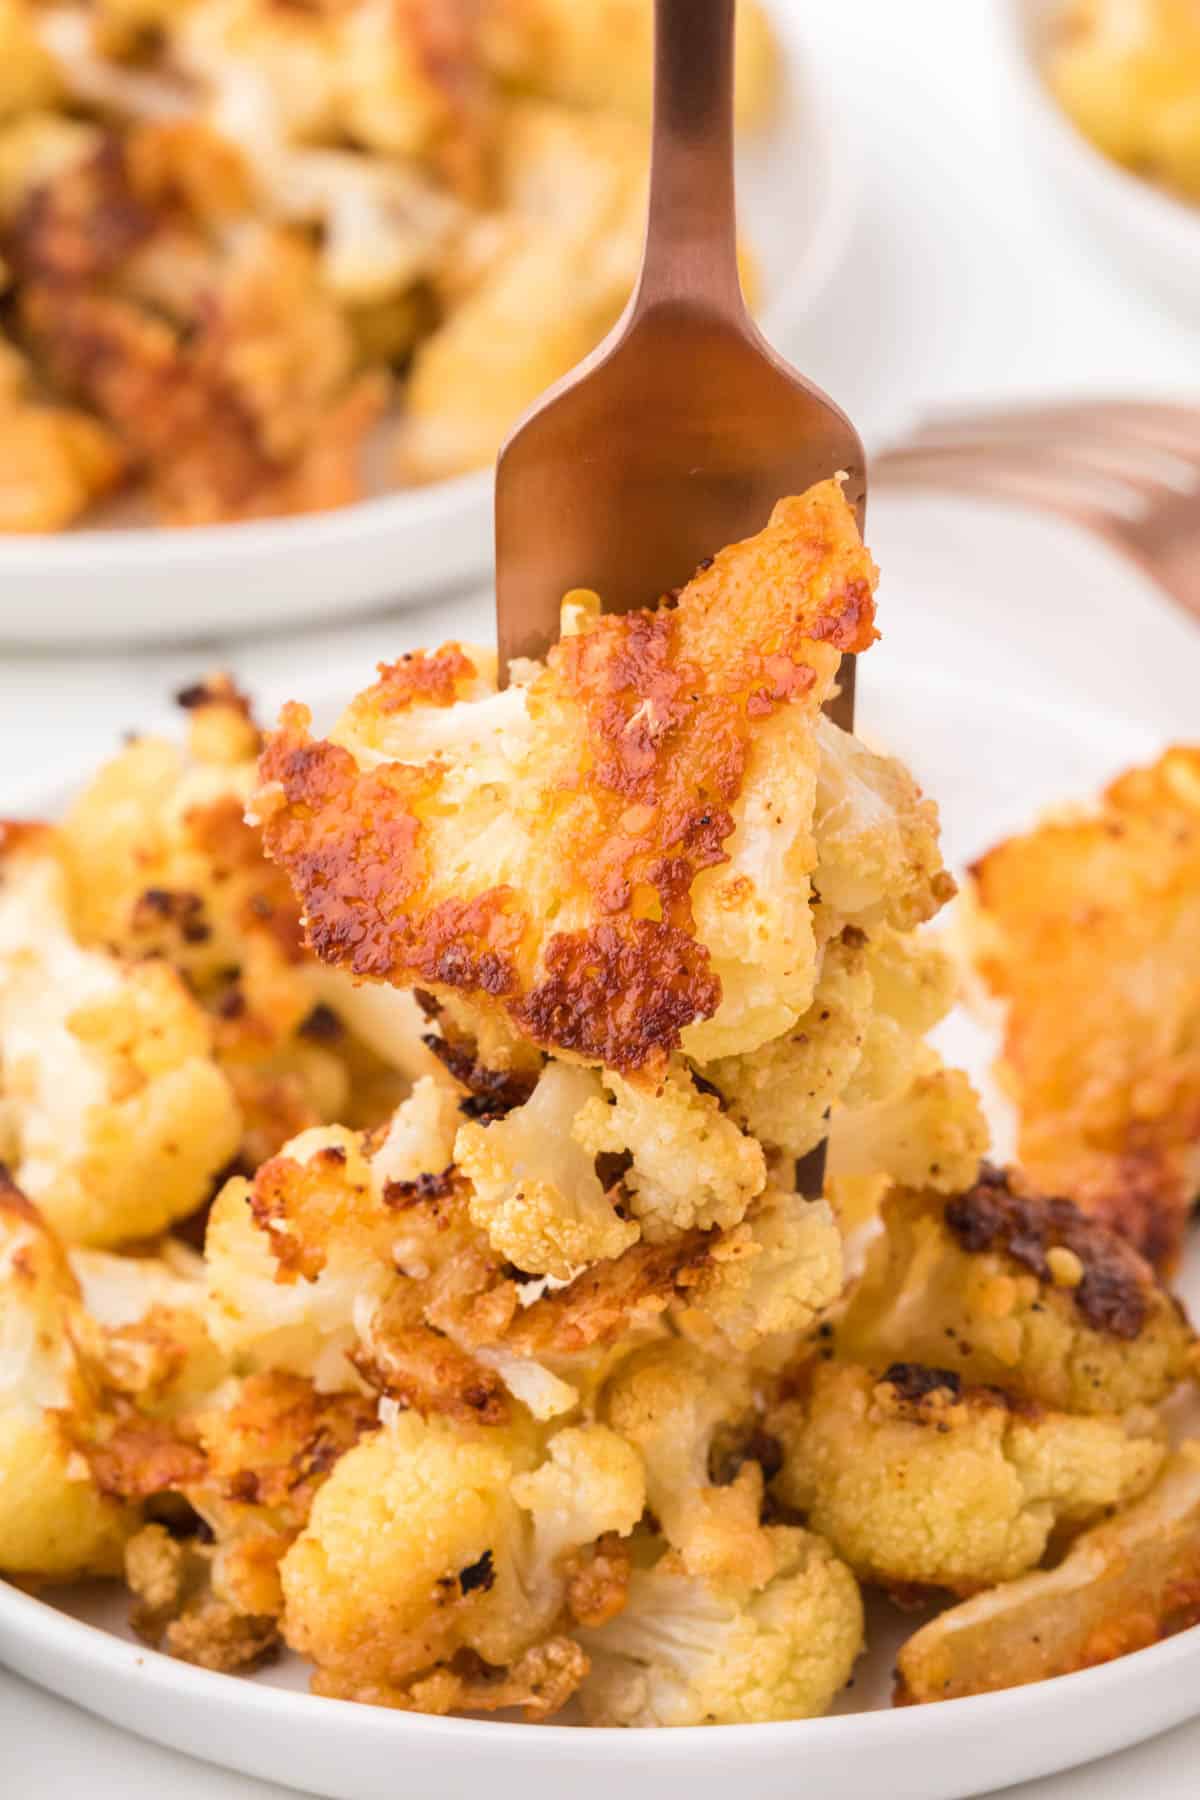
(644, 742)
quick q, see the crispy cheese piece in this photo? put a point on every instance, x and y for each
(614, 857)
(1089, 929)
(1124, 1584)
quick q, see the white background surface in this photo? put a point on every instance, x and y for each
(967, 280)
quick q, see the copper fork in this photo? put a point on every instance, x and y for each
(681, 431)
(1128, 471)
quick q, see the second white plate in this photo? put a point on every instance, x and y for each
(798, 187)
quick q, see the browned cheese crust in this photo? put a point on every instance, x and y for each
(661, 707)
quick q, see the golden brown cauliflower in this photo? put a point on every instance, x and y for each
(932, 1133)
(599, 53)
(442, 835)
(1088, 928)
(534, 1186)
(1024, 1293)
(234, 1478)
(534, 286)
(670, 1401)
(113, 1114)
(858, 1046)
(145, 1327)
(684, 1651)
(54, 460)
(918, 1481)
(56, 1524)
(300, 1260)
(161, 864)
(28, 77)
(1124, 1584)
(431, 1540)
(1128, 76)
(203, 337)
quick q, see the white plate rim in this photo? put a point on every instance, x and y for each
(55, 1632)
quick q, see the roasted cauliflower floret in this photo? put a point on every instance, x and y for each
(669, 1401)
(918, 1481)
(204, 338)
(1088, 929)
(145, 1327)
(54, 460)
(300, 1260)
(859, 1043)
(534, 286)
(1125, 1583)
(690, 1164)
(931, 1134)
(684, 1651)
(1024, 1293)
(113, 1114)
(236, 1478)
(430, 1540)
(782, 1092)
(161, 863)
(770, 1276)
(878, 860)
(56, 1524)
(535, 1190)
(446, 840)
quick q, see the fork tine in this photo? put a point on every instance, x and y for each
(1174, 429)
(1134, 475)
(1052, 483)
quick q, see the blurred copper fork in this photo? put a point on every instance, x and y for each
(1126, 470)
(681, 431)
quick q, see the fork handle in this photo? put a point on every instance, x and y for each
(691, 230)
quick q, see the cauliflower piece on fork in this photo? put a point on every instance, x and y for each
(616, 855)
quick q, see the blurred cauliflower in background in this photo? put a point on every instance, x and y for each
(1128, 76)
(353, 241)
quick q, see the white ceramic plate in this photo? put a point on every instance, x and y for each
(1154, 236)
(993, 760)
(798, 186)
